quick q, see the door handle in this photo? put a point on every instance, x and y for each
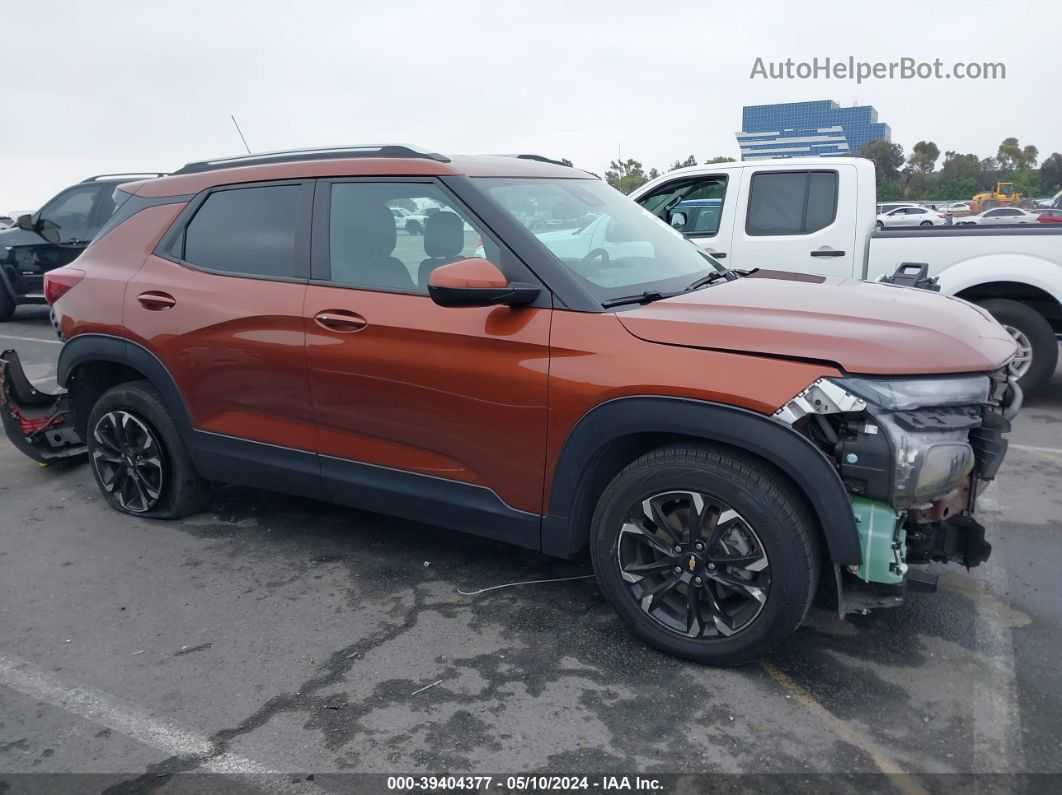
(156, 301)
(340, 320)
(827, 252)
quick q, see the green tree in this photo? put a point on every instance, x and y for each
(689, 161)
(887, 158)
(626, 175)
(923, 157)
(719, 159)
(1014, 157)
(958, 177)
(989, 170)
(1051, 174)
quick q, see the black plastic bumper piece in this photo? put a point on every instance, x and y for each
(36, 422)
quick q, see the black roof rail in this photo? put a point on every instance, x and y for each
(540, 159)
(151, 174)
(319, 153)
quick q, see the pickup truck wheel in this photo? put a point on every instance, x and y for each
(7, 304)
(705, 554)
(1036, 361)
(137, 456)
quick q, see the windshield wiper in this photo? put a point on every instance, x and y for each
(655, 295)
(711, 278)
(642, 298)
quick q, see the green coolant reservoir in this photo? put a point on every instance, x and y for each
(881, 540)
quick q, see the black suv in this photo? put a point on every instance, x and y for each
(52, 237)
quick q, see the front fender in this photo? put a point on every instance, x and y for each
(803, 463)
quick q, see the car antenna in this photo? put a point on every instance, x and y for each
(233, 117)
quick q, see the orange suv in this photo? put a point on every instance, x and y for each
(723, 442)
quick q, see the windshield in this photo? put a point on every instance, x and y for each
(611, 244)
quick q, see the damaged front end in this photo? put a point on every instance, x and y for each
(36, 422)
(914, 454)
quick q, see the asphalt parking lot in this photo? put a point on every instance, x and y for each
(275, 633)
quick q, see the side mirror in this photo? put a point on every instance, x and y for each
(477, 282)
(25, 223)
(678, 220)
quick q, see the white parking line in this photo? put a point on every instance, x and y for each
(30, 339)
(104, 709)
(1052, 451)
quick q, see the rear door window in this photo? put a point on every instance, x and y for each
(791, 202)
(246, 231)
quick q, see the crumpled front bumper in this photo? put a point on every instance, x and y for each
(36, 422)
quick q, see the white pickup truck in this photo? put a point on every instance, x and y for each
(817, 216)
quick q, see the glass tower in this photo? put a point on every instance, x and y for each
(800, 129)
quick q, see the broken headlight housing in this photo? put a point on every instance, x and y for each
(903, 441)
(915, 393)
(926, 423)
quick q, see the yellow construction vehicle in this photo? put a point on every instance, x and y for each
(1002, 196)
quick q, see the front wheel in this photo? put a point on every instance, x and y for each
(1037, 344)
(139, 461)
(880, 225)
(705, 554)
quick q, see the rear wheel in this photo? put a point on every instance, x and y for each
(7, 303)
(139, 461)
(1038, 346)
(705, 554)
(926, 223)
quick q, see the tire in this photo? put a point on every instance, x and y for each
(721, 626)
(880, 224)
(7, 304)
(131, 417)
(1032, 330)
(926, 223)
(413, 227)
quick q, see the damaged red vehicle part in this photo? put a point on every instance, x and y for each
(37, 423)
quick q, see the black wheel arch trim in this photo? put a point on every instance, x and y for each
(794, 454)
(93, 347)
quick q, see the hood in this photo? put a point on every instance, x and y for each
(863, 327)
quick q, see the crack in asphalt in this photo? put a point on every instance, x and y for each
(338, 664)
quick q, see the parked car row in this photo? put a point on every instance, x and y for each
(900, 214)
(722, 440)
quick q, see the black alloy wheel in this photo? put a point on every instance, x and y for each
(128, 460)
(694, 565)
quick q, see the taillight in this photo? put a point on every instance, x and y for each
(59, 282)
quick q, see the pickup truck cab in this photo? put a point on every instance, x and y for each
(52, 237)
(818, 216)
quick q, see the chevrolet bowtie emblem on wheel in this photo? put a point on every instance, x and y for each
(692, 563)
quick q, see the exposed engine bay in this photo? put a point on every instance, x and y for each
(914, 454)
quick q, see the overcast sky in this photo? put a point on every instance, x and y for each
(103, 86)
